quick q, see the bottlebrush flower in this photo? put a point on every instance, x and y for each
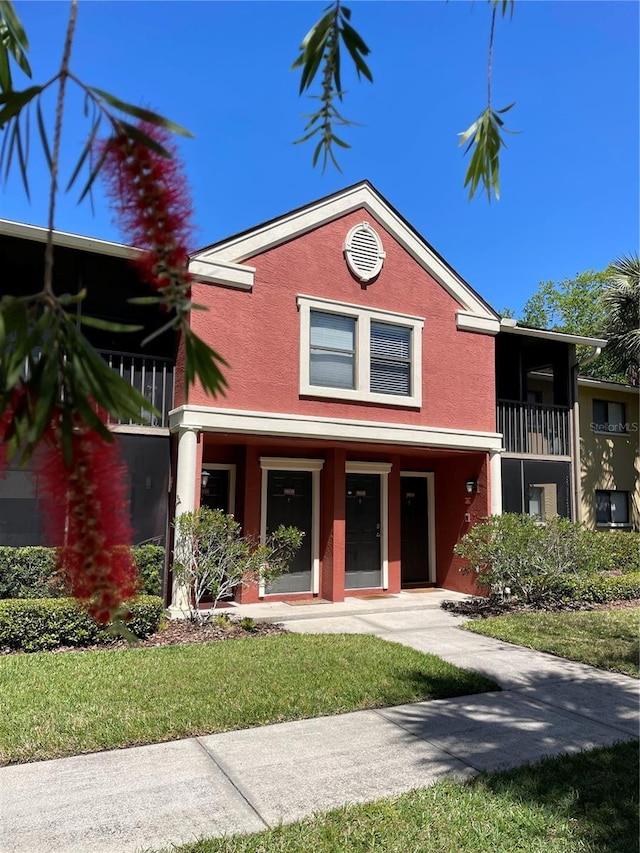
(86, 512)
(16, 400)
(151, 196)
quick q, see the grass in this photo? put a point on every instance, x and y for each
(604, 638)
(584, 803)
(76, 702)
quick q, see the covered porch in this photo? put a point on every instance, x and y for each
(381, 507)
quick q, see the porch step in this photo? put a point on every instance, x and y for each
(276, 611)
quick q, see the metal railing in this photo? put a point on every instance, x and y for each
(534, 428)
(152, 377)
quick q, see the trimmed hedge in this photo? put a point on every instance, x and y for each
(38, 624)
(150, 562)
(616, 551)
(30, 572)
(592, 588)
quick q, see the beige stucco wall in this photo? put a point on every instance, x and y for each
(609, 460)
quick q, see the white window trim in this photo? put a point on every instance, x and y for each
(382, 469)
(364, 317)
(275, 463)
(215, 466)
(431, 516)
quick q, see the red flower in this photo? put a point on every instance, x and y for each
(150, 193)
(86, 511)
(17, 399)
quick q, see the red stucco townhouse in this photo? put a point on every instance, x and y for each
(361, 405)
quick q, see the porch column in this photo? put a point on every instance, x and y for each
(495, 471)
(186, 475)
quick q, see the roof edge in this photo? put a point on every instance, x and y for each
(37, 233)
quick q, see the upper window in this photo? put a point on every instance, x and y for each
(612, 507)
(355, 353)
(609, 416)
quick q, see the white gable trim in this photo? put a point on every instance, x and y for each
(477, 316)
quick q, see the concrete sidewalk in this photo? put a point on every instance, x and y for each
(152, 796)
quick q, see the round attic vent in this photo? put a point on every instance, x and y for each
(363, 252)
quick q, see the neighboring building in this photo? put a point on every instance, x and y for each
(609, 453)
(537, 415)
(375, 400)
(106, 269)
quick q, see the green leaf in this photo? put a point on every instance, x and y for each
(88, 147)
(485, 141)
(43, 135)
(6, 82)
(12, 102)
(93, 174)
(13, 41)
(144, 300)
(22, 159)
(144, 139)
(73, 298)
(107, 325)
(140, 113)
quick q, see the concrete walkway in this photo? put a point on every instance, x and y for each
(152, 796)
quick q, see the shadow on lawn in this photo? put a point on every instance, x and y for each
(597, 791)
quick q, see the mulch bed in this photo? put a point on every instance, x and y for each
(178, 632)
(484, 608)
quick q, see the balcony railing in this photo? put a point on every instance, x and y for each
(152, 377)
(534, 428)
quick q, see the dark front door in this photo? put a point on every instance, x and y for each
(363, 555)
(215, 495)
(414, 553)
(289, 502)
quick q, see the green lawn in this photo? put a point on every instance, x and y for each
(75, 702)
(604, 638)
(584, 803)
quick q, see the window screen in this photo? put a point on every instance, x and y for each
(609, 416)
(390, 359)
(612, 507)
(332, 350)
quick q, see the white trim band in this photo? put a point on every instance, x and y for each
(330, 429)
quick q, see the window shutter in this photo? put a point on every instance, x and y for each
(332, 350)
(390, 359)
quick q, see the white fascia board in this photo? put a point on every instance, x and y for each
(562, 337)
(71, 241)
(238, 276)
(586, 382)
(237, 421)
(300, 222)
(468, 322)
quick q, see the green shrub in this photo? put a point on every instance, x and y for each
(212, 557)
(616, 551)
(150, 563)
(30, 572)
(595, 588)
(517, 555)
(32, 625)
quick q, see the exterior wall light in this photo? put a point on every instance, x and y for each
(204, 478)
(471, 486)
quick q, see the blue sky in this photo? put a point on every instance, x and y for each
(569, 178)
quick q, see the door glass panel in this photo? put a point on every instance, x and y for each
(215, 495)
(363, 531)
(414, 514)
(289, 502)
